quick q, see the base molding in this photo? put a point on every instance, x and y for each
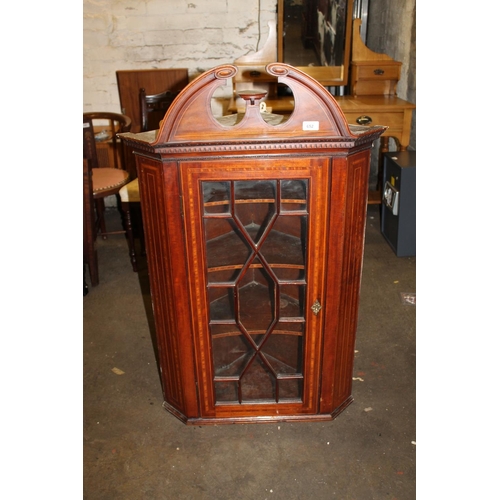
(257, 420)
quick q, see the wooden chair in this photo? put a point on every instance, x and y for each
(152, 109)
(89, 251)
(154, 80)
(129, 198)
(130, 81)
(105, 152)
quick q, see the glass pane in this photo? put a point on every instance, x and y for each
(255, 247)
(284, 247)
(216, 196)
(258, 384)
(226, 391)
(255, 190)
(284, 351)
(255, 206)
(227, 250)
(294, 195)
(231, 357)
(221, 304)
(258, 295)
(291, 388)
(292, 301)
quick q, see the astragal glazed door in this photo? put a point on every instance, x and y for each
(255, 230)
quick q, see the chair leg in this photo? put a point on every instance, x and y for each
(85, 287)
(90, 259)
(93, 269)
(141, 231)
(101, 224)
(89, 250)
(130, 234)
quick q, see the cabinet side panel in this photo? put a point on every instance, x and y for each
(333, 280)
(160, 202)
(354, 238)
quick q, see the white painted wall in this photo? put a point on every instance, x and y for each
(144, 34)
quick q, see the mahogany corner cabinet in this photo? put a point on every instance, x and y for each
(254, 227)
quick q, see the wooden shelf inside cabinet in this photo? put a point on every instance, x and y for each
(254, 235)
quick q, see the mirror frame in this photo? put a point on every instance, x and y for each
(329, 76)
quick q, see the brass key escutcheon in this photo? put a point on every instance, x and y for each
(316, 307)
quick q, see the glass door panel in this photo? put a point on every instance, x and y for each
(255, 235)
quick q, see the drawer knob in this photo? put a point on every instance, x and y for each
(364, 120)
(379, 71)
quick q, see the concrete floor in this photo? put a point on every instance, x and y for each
(134, 449)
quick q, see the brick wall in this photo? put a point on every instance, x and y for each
(143, 34)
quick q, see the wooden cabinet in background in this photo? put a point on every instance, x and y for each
(373, 101)
(371, 73)
(374, 78)
(254, 237)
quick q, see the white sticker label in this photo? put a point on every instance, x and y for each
(310, 125)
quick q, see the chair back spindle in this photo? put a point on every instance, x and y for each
(153, 108)
(112, 151)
